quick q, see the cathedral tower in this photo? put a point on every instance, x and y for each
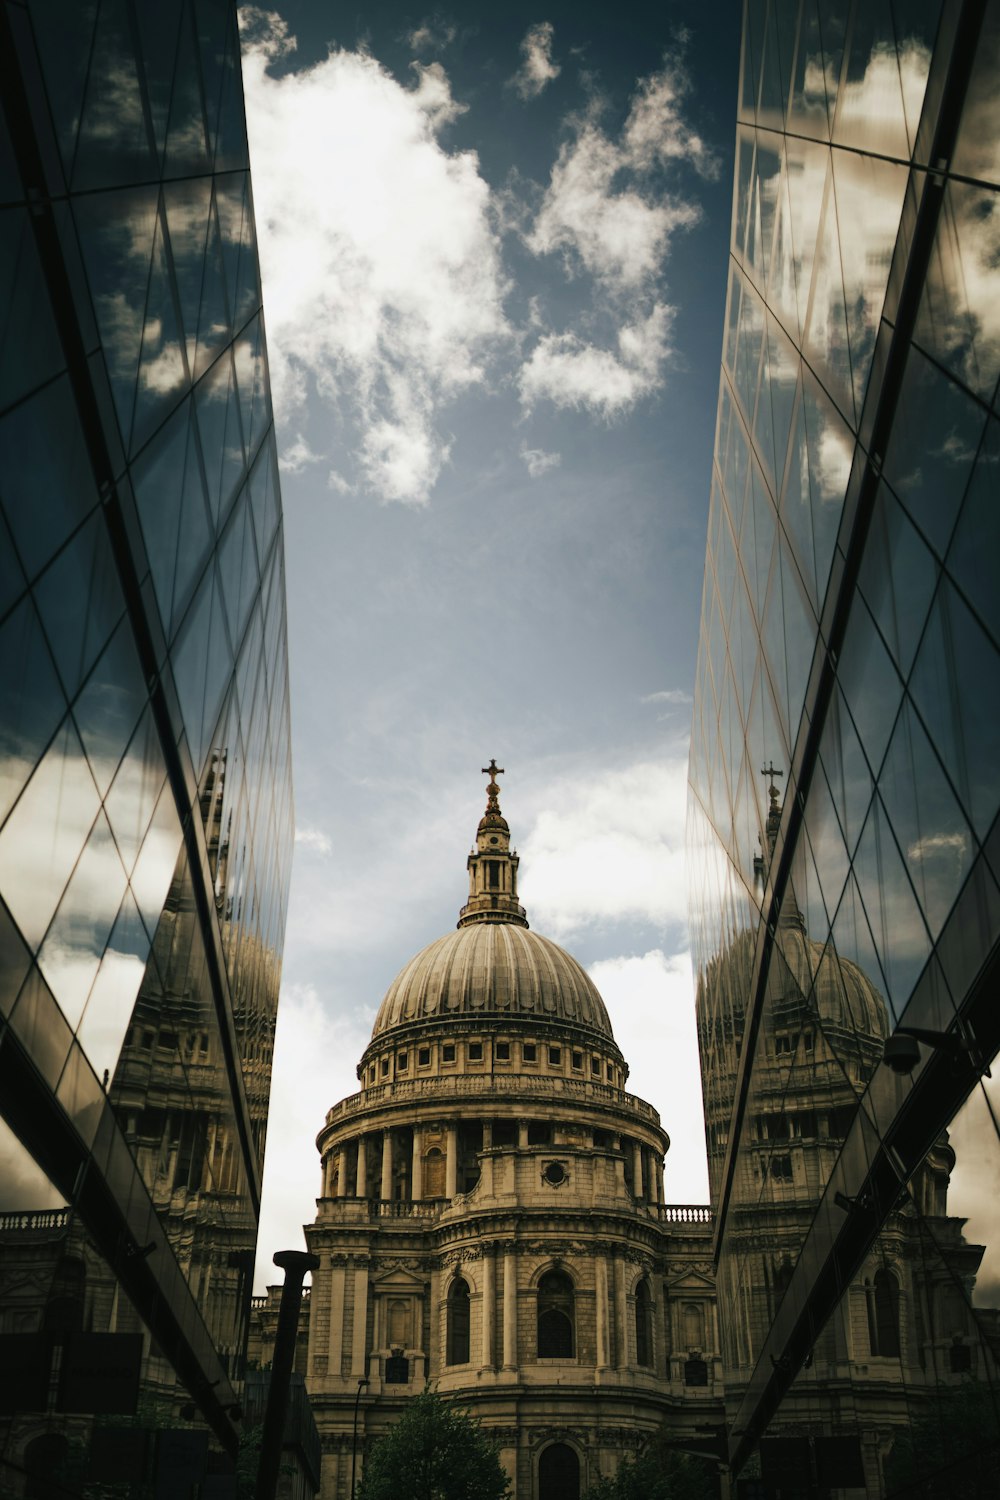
(492, 1214)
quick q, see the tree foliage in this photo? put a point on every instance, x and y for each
(949, 1449)
(436, 1451)
(659, 1473)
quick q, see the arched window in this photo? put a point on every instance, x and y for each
(457, 1352)
(695, 1371)
(558, 1473)
(883, 1315)
(555, 1316)
(643, 1325)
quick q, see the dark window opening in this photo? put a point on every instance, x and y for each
(424, 1057)
(611, 1073)
(555, 1057)
(960, 1359)
(502, 1051)
(539, 1133)
(781, 1168)
(494, 867)
(402, 1062)
(448, 1052)
(578, 1059)
(883, 1316)
(458, 1323)
(385, 1067)
(504, 1133)
(397, 1370)
(475, 1051)
(529, 1052)
(555, 1173)
(558, 1473)
(555, 1316)
(602, 1139)
(595, 1066)
(695, 1372)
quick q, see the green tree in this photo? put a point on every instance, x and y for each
(436, 1451)
(659, 1473)
(951, 1448)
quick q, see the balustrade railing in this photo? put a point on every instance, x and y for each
(43, 1218)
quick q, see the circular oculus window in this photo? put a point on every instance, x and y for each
(555, 1173)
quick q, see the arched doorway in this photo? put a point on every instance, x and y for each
(558, 1473)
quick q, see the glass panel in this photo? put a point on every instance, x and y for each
(31, 701)
(74, 945)
(869, 201)
(48, 495)
(213, 316)
(109, 1009)
(136, 787)
(150, 879)
(113, 146)
(975, 545)
(826, 342)
(959, 321)
(977, 153)
(956, 687)
(808, 177)
(109, 706)
(30, 351)
(217, 405)
(116, 237)
(898, 577)
(44, 835)
(163, 375)
(870, 113)
(926, 819)
(816, 73)
(187, 152)
(935, 437)
(80, 602)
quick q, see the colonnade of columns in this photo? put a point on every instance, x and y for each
(647, 1165)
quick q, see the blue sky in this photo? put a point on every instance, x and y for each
(493, 249)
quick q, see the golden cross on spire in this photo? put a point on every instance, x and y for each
(492, 790)
(772, 771)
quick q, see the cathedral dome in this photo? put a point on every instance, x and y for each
(493, 969)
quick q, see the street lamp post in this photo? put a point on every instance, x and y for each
(295, 1264)
(354, 1435)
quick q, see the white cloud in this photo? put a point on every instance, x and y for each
(314, 1067)
(432, 35)
(537, 68)
(667, 695)
(338, 483)
(314, 838)
(565, 370)
(600, 206)
(296, 456)
(538, 461)
(650, 998)
(380, 265)
(609, 847)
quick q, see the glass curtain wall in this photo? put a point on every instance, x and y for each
(845, 764)
(145, 789)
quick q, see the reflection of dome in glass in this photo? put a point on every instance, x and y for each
(839, 991)
(492, 969)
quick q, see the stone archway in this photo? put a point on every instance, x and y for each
(558, 1473)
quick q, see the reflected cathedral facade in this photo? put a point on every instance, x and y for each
(844, 782)
(145, 796)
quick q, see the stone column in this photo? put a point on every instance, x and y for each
(359, 1343)
(385, 1190)
(361, 1178)
(342, 1172)
(417, 1167)
(335, 1349)
(657, 1177)
(522, 1135)
(451, 1162)
(601, 1311)
(637, 1170)
(509, 1309)
(487, 1134)
(621, 1321)
(489, 1307)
